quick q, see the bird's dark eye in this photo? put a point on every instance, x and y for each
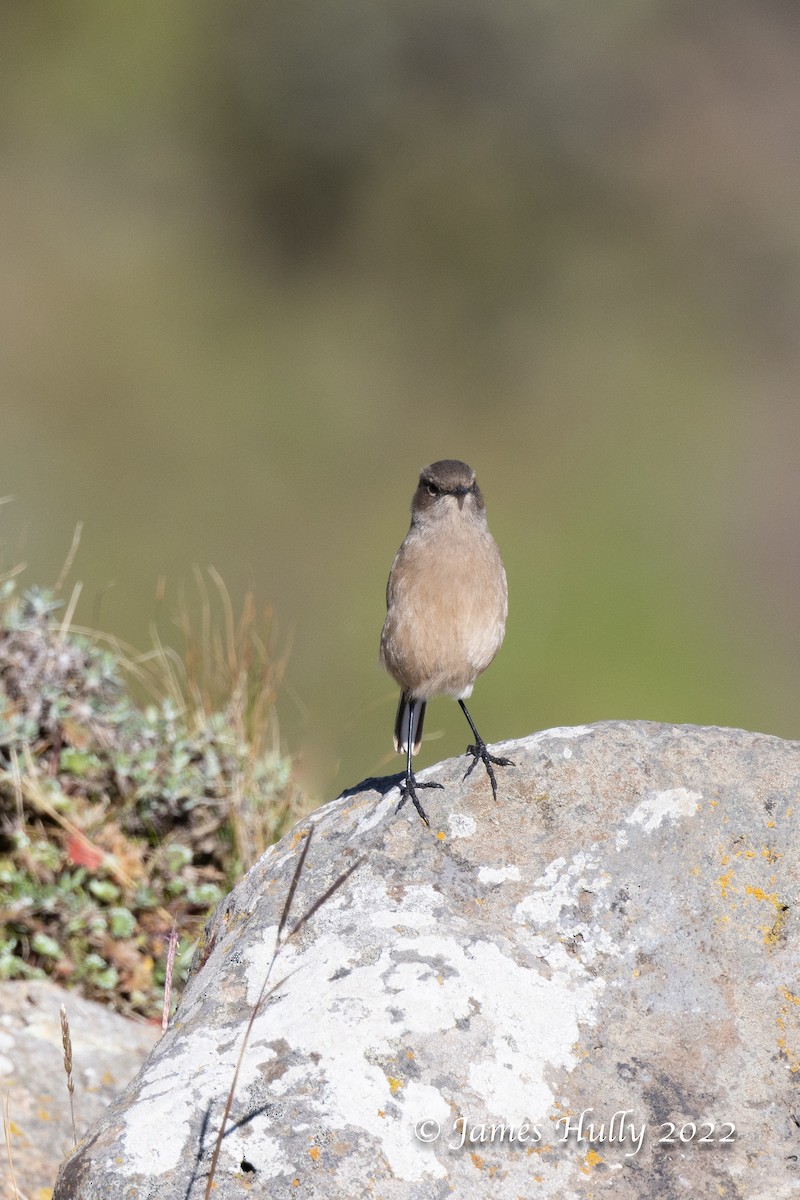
(432, 489)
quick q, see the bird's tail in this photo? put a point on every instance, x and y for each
(408, 724)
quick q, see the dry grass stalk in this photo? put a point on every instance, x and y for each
(266, 991)
(70, 559)
(7, 1134)
(226, 665)
(173, 946)
(66, 1042)
(69, 612)
(230, 665)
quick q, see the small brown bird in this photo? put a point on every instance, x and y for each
(447, 602)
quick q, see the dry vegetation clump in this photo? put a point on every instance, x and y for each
(119, 816)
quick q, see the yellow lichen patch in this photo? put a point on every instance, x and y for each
(441, 836)
(773, 936)
(769, 854)
(791, 1056)
(394, 1084)
(788, 1023)
(772, 933)
(477, 1161)
(409, 1054)
(591, 1160)
(299, 837)
(724, 882)
(314, 1153)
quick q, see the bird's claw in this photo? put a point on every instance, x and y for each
(408, 792)
(480, 752)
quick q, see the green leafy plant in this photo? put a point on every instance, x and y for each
(133, 789)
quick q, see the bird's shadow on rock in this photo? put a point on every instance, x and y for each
(382, 785)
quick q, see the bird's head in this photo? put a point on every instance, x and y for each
(444, 487)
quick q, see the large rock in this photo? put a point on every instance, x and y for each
(597, 980)
(107, 1049)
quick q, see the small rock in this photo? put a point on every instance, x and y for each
(107, 1050)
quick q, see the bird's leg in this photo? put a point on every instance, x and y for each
(479, 751)
(410, 783)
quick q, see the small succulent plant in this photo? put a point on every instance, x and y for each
(118, 817)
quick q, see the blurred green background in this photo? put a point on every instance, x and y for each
(262, 261)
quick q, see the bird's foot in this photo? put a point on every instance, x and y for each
(408, 791)
(480, 752)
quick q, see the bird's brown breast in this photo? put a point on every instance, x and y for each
(446, 609)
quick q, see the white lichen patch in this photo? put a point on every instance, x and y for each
(561, 731)
(498, 874)
(461, 825)
(268, 1151)
(349, 1016)
(415, 987)
(167, 1101)
(375, 813)
(561, 888)
(179, 1087)
(534, 1024)
(672, 804)
(416, 908)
